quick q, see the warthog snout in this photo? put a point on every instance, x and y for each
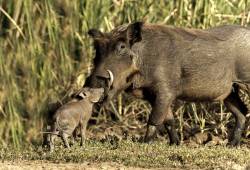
(106, 76)
(104, 79)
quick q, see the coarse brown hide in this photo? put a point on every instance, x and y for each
(169, 63)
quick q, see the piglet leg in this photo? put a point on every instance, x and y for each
(65, 140)
(51, 142)
(83, 133)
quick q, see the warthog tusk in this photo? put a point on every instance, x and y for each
(111, 76)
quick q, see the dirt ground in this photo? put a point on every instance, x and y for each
(126, 154)
(45, 165)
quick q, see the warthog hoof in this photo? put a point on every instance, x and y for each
(236, 138)
(234, 142)
(175, 140)
(150, 134)
(51, 148)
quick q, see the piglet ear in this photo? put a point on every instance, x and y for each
(83, 95)
(94, 33)
(134, 32)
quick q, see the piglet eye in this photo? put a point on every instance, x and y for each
(121, 46)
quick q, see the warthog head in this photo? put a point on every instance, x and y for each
(115, 61)
(92, 94)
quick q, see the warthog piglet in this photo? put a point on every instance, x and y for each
(74, 114)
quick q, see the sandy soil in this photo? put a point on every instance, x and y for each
(46, 165)
(42, 165)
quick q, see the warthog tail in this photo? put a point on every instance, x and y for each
(53, 133)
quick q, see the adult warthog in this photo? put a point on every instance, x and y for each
(169, 63)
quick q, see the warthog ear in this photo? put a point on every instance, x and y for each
(134, 32)
(94, 33)
(83, 95)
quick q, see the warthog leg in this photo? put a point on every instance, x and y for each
(52, 138)
(169, 124)
(74, 136)
(83, 133)
(238, 109)
(65, 140)
(51, 142)
(159, 116)
(150, 133)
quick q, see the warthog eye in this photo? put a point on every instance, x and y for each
(121, 46)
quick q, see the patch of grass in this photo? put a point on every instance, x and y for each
(156, 155)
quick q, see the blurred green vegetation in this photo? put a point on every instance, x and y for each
(45, 52)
